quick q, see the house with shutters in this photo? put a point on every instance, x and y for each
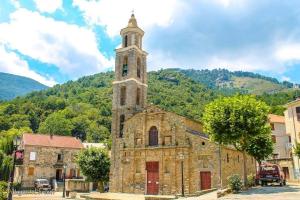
(155, 151)
(292, 122)
(44, 156)
(282, 153)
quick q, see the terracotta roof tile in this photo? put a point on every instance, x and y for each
(276, 119)
(54, 141)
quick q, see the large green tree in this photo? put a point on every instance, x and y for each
(261, 147)
(56, 124)
(236, 121)
(94, 164)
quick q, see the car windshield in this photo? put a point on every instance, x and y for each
(44, 182)
(269, 168)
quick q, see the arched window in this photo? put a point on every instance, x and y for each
(122, 120)
(138, 94)
(125, 66)
(138, 68)
(125, 41)
(153, 136)
(123, 96)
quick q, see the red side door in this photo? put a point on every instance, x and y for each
(205, 178)
(152, 178)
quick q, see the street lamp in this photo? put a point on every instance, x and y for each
(181, 157)
(16, 143)
(64, 176)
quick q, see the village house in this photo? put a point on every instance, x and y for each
(155, 151)
(282, 153)
(47, 157)
(292, 121)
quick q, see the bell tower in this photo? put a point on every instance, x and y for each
(129, 91)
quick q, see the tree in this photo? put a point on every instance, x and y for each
(297, 150)
(236, 121)
(97, 133)
(56, 124)
(261, 147)
(94, 164)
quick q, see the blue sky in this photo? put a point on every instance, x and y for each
(53, 41)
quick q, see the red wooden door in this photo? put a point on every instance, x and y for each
(205, 178)
(152, 178)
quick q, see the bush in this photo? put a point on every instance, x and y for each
(3, 190)
(251, 180)
(235, 183)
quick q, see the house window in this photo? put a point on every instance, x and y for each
(123, 96)
(125, 66)
(275, 156)
(138, 96)
(30, 171)
(60, 157)
(272, 126)
(274, 138)
(153, 136)
(298, 113)
(32, 156)
(138, 68)
(122, 120)
(227, 158)
(125, 41)
(290, 139)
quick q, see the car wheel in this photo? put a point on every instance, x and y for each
(281, 183)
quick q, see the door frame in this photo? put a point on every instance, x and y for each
(200, 180)
(146, 176)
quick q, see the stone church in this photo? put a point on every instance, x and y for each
(155, 151)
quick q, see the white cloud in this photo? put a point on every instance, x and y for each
(15, 3)
(285, 78)
(71, 48)
(12, 63)
(48, 6)
(113, 14)
(288, 52)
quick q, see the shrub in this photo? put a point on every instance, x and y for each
(235, 183)
(3, 190)
(251, 180)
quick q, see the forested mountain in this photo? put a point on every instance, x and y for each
(238, 81)
(83, 108)
(12, 86)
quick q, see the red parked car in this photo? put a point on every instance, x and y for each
(270, 173)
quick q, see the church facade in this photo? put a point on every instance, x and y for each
(155, 151)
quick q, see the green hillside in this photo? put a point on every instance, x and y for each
(238, 81)
(83, 108)
(12, 86)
